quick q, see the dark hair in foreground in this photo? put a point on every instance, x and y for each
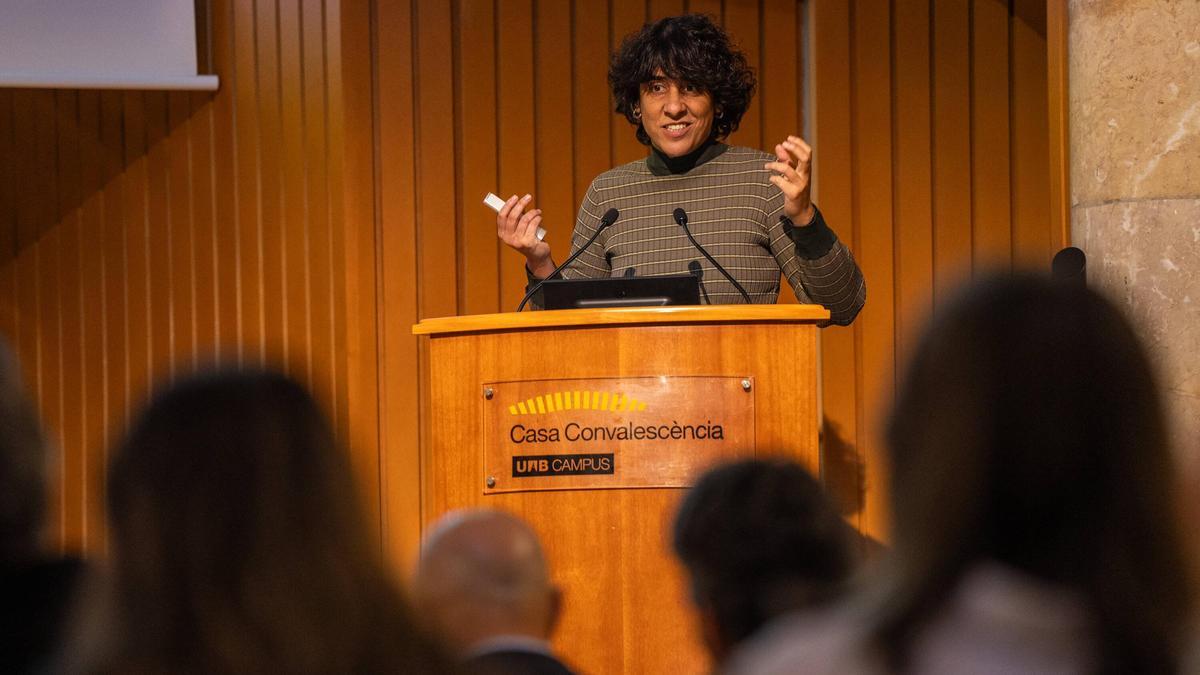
(238, 542)
(22, 468)
(760, 539)
(689, 48)
(1029, 431)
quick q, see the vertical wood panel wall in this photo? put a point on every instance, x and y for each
(328, 197)
(932, 159)
(146, 234)
(930, 126)
(511, 97)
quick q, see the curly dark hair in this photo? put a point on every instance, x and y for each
(759, 539)
(689, 48)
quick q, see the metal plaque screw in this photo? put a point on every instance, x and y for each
(746, 384)
(491, 481)
(488, 393)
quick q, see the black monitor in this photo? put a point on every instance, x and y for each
(676, 289)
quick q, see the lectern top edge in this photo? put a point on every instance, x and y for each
(565, 318)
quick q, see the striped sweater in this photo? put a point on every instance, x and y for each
(734, 212)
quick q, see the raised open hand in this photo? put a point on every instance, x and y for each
(793, 172)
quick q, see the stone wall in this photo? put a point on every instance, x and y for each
(1135, 178)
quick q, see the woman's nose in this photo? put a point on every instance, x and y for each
(674, 103)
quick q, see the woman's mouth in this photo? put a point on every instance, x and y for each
(677, 129)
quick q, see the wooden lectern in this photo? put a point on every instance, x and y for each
(587, 424)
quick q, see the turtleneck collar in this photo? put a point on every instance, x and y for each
(662, 165)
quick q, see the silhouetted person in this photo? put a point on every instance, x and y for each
(238, 545)
(1033, 502)
(36, 588)
(483, 581)
(759, 539)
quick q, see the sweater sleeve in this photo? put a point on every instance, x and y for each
(817, 265)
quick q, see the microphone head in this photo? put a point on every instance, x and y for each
(680, 217)
(610, 216)
(696, 270)
(1069, 264)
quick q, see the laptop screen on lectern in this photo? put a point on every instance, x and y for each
(678, 289)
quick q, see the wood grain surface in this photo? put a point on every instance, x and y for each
(626, 607)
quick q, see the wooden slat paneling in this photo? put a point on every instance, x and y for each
(664, 8)
(354, 169)
(226, 168)
(8, 177)
(135, 196)
(180, 256)
(743, 23)
(92, 316)
(553, 103)
(913, 171)
(625, 17)
(144, 233)
(781, 64)
(328, 195)
(990, 149)
(50, 386)
(29, 176)
(247, 184)
(710, 7)
(162, 222)
(515, 126)
(295, 265)
(400, 421)
(592, 106)
(476, 156)
(114, 277)
(206, 283)
(952, 145)
(1030, 138)
(272, 236)
(873, 208)
(69, 328)
(1058, 104)
(938, 103)
(322, 302)
(438, 233)
(834, 190)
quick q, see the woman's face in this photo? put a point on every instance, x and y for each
(677, 116)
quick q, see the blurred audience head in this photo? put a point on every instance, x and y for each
(239, 545)
(37, 586)
(1029, 432)
(23, 468)
(482, 575)
(759, 539)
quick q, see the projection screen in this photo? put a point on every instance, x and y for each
(100, 44)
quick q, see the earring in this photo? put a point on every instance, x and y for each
(720, 113)
(637, 113)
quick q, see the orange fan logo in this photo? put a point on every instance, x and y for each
(577, 400)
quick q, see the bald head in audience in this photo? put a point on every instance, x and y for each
(482, 576)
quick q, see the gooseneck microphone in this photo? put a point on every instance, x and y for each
(682, 218)
(610, 216)
(698, 272)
